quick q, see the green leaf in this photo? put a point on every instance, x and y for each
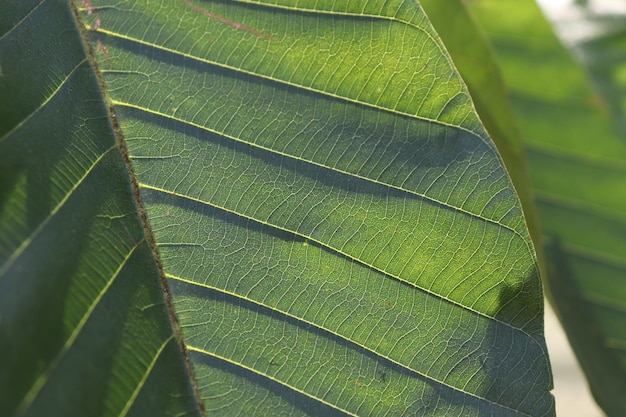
(80, 333)
(577, 156)
(337, 231)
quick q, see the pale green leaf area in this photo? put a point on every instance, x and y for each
(336, 229)
(473, 56)
(577, 155)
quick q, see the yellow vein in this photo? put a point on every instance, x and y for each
(525, 239)
(46, 101)
(144, 378)
(338, 335)
(44, 377)
(292, 84)
(312, 162)
(347, 255)
(23, 19)
(20, 250)
(252, 370)
(437, 42)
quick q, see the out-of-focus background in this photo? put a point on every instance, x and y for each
(572, 394)
(572, 16)
(573, 398)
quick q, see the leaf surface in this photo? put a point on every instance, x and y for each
(336, 227)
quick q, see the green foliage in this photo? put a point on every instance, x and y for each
(281, 208)
(83, 328)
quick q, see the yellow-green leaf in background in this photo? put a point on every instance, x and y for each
(337, 230)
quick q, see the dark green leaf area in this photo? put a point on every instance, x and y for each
(80, 329)
(231, 390)
(45, 159)
(301, 358)
(19, 26)
(83, 322)
(300, 286)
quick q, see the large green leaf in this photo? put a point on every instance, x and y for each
(577, 155)
(337, 229)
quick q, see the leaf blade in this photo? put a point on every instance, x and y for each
(273, 144)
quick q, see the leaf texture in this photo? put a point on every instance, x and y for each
(336, 227)
(328, 208)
